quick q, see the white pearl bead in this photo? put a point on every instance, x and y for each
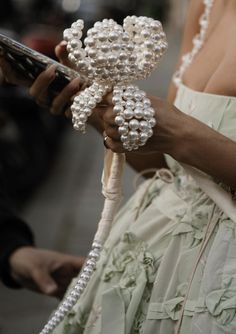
(128, 113)
(134, 124)
(102, 37)
(123, 138)
(143, 137)
(113, 36)
(138, 113)
(130, 104)
(83, 117)
(123, 130)
(119, 120)
(133, 135)
(104, 48)
(144, 126)
(123, 56)
(118, 108)
(112, 58)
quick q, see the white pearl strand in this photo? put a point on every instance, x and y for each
(198, 42)
(113, 57)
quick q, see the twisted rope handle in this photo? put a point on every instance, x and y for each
(112, 191)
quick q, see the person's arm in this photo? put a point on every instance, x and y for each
(22, 265)
(185, 139)
(44, 271)
(155, 159)
(39, 90)
(191, 28)
(14, 233)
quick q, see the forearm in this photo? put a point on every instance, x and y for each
(209, 151)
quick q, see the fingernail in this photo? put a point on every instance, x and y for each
(50, 288)
(51, 67)
(63, 43)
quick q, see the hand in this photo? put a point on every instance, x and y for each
(62, 54)
(168, 133)
(40, 88)
(10, 75)
(44, 271)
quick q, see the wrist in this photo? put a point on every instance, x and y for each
(15, 262)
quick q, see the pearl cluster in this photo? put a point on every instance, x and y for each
(72, 297)
(198, 42)
(135, 116)
(84, 104)
(115, 55)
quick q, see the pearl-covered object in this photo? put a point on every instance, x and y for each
(112, 58)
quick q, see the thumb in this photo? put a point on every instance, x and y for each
(62, 54)
(76, 261)
(44, 282)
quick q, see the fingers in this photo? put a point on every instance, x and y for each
(107, 100)
(114, 145)
(39, 88)
(12, 76)
(111, 134)
(44, 281)
(65, 96)
(62, 54)
(75, 261)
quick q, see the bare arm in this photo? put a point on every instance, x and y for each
(157, 160)
(199, 141)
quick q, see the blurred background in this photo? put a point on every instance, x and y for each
(52, 173)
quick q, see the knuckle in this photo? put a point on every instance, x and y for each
(108, 116)
(32, 92)
(75, 84)
(116, 146)
(111, 132)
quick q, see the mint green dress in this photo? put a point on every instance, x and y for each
(142, 280)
